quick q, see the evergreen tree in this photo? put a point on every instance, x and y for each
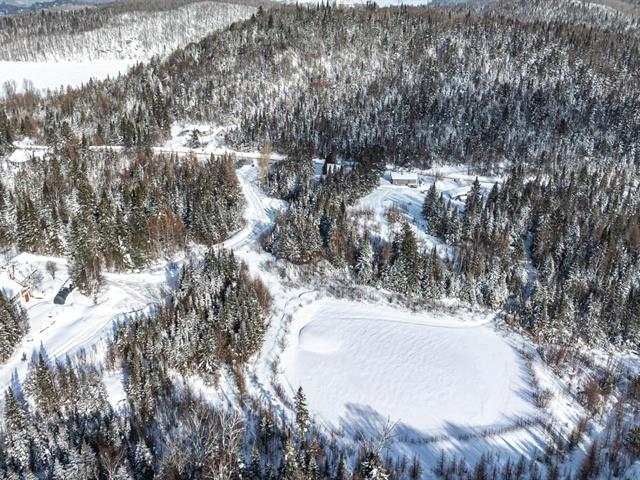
(302, 413)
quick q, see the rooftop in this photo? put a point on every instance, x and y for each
(404, 176)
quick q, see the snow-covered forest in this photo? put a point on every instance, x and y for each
(324, 242)
(134, 30)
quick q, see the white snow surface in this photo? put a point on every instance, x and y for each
(80, 323)
(114, 387)
(53, 75)
(447, 378)
(430, 372)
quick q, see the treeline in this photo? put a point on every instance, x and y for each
(566, 244)
(108, 211)
(432, 84)
(60, 424)
(14, 324)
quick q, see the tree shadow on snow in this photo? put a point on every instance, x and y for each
(508, 439)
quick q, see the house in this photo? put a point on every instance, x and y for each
(404, 179)
(12, 290)
(331, 168)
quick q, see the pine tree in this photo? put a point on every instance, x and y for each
(341, 469)
(415, 471)
(290, 469)
(371, 467)
(364, 265)
(13, 326)
(302, 413)
(18, 433)
(85, 264)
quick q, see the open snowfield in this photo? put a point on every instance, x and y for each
(53, 75)
(430, 372)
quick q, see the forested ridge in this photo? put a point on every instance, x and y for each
(118, 30)
(434, 85)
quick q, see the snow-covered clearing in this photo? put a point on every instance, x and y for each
(115, 389)
(430, 372)
(211, 141)
(452, 380)
(80, 323)
(43, 76)
(452, 182)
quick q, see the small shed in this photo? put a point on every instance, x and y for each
(407, 179)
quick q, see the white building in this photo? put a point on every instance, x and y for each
(404, 179)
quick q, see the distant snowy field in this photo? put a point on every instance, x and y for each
(361, 364)
(53, 75)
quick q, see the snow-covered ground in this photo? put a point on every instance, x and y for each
(211, 142)
(43, 76)
(453, 182)
(452, 380)
(80, 323)
(428, 371)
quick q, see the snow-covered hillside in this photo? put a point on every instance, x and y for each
(70, 57)
(130, 35)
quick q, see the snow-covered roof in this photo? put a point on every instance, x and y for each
(8, 287)
(21, 155)
(404, 176)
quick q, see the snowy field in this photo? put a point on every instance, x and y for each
(446, 378)
(53, 75)
(360, 363)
